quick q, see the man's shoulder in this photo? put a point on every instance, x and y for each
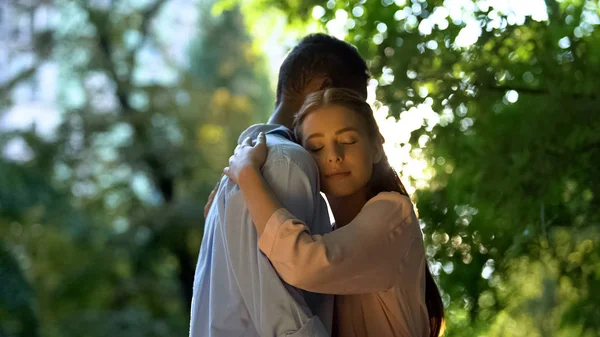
(282, 149)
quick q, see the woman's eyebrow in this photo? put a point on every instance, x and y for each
(347, 129)
(313, 136)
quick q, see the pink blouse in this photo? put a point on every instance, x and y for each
(376, 262)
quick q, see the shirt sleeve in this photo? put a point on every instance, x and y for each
(275, 308)
(362, 257)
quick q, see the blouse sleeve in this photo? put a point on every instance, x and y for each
(363, 256)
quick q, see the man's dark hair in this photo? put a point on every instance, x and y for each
(324, 55)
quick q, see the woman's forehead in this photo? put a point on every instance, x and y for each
(325, 119)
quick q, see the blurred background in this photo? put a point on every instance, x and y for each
(117, 116)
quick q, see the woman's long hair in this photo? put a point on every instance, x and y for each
(383, 179)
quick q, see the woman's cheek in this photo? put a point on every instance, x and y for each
(358, 154)
(319, 159)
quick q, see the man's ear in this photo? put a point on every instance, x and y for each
(317, 83)
(327, 83)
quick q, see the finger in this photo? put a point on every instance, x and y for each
(262, 139)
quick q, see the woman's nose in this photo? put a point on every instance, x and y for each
(335, 155)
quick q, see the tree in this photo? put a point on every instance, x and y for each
(104, 218)
(507, 115)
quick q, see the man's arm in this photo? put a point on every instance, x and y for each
(276, 308)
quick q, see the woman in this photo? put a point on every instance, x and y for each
(374, 260)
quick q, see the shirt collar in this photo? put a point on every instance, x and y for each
(269, 129)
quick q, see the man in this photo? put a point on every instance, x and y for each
(236, 290)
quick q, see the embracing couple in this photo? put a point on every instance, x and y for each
(271, 263)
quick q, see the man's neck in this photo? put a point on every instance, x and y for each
(284, 113)
(281, 118)
(291, 101)
(345, 209)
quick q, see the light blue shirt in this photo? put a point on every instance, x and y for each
(236, 289)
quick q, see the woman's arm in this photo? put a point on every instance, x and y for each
(244, 170)
(362, 257)
(260, 201)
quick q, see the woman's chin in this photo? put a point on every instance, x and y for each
(338, 192)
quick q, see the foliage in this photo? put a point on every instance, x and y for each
(101, 221)
(101, 225)
(511, 128)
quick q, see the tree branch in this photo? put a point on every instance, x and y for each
(100, 21)
(147, 16)
(163, 180)
(15, 80)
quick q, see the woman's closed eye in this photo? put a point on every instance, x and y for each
(347, 140)
(315, 149)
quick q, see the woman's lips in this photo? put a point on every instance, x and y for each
(338, 175)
